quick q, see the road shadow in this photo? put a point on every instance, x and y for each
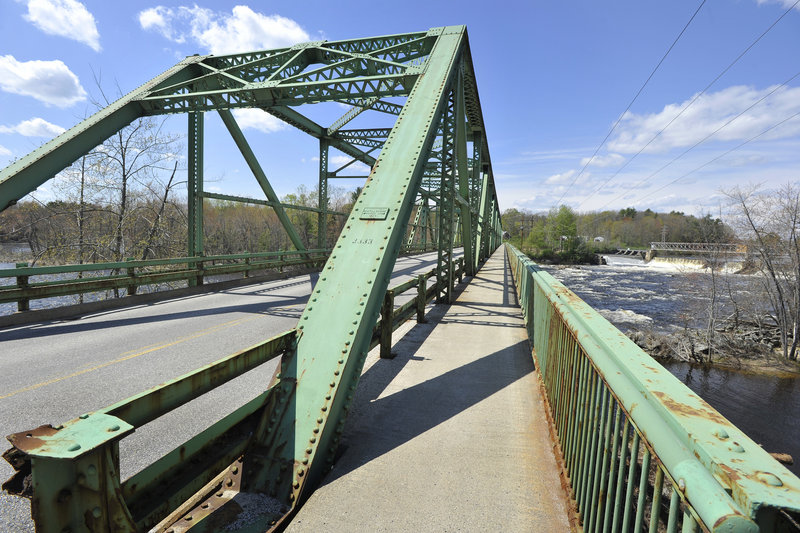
(382, 424)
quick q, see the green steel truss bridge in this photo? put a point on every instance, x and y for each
(637, 450)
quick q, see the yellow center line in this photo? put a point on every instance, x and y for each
(130, 354)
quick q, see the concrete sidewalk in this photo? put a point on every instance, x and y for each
(451, 434)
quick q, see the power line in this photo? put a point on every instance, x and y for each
(722, 155)
(687, 106)
(632, 101)
(704, 139)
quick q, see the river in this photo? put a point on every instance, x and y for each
(665, 297)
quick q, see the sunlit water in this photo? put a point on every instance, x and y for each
(664, 297)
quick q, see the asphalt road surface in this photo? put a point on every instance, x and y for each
(53, 372)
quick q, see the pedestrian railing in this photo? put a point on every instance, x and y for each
(35, 282)
(640, 450)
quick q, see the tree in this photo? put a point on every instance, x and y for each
(770, 220)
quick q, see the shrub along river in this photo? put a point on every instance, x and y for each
(668, 297)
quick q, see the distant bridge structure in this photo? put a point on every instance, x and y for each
(702, 247)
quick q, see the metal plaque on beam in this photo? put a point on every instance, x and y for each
(374, 213)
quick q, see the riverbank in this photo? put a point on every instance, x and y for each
(742, 350)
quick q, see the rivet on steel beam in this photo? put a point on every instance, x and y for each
(91, 470)
(97, 512)
(312, 440)
(769, 478)
(309, 450)
(721, 434)
(325, 408)
(682, 484)
(319, 420)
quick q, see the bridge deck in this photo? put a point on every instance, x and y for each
(450, 435)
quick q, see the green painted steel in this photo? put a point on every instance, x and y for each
(611, 403)
(322, 216)
(261, 177)
(143, 272)
(446, 200)
(280, 445)
(195, 185)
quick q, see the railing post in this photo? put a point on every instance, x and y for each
(247, 267)
(422, 287)
(131, 271)
(387, 309)
(23, 304)
(75, 474)
(199, 268)
(460, 268)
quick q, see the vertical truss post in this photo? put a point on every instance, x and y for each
(261, 177)
(414, 225)
(476, 200)
(322, 216)
(426, 223)
(483, 218)
(195, 186)
(464, 178)
(444, 271)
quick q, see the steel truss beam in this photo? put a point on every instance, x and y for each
(289, 434)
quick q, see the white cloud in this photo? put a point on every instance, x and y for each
(337, 161)
(709, 112)
(604, 160)
(159, 19)
(4, 150)
(785, 3)
(221, 33)
(64, 18)
(564, 177)
(51, 82)
(35, 127)
(257, 119)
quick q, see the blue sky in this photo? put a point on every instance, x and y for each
(553, 77)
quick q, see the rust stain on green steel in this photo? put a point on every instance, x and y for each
(73, 439)
(706, 412)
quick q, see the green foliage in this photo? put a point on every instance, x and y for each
(626, 228)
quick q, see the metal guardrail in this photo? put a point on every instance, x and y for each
(134, 274)
(75, 466)
(633, 438)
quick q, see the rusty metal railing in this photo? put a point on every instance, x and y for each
(641, 451)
